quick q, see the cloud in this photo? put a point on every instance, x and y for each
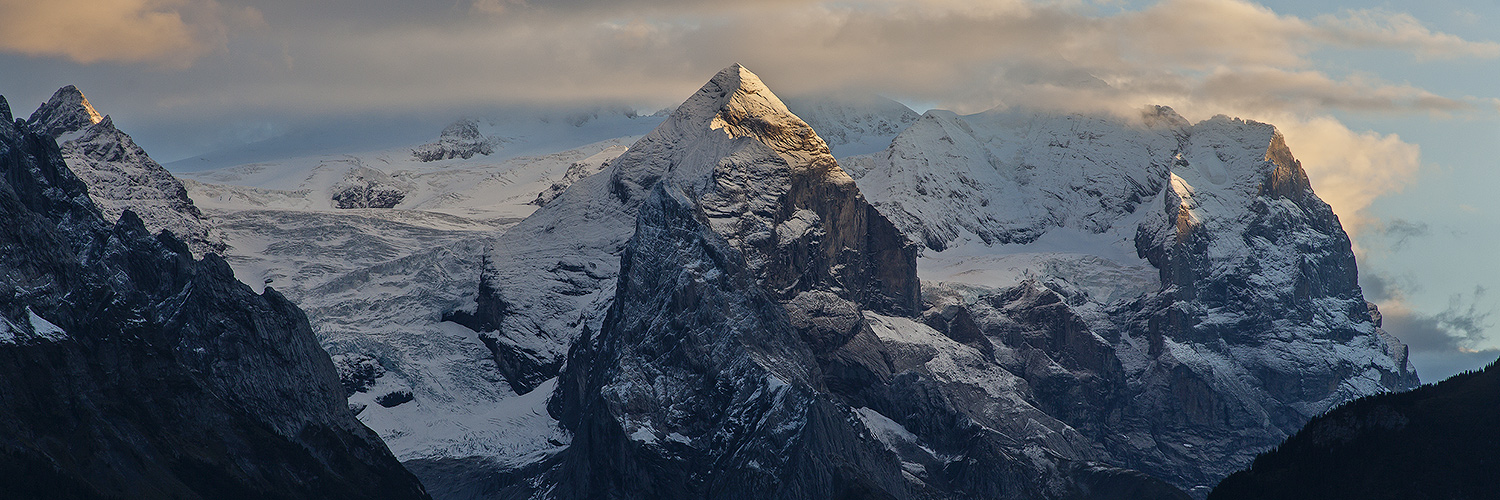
(1202, 57)
(1398, 30)
(963, 55)
(167, 32)
(1442, 344)
(1385, 289)
(1270, 88)
(1403, 231)
(1463, 326)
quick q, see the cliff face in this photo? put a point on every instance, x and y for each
(700, 386)
(132, 370)
(1260, 290)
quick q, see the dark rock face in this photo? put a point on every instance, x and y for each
(699, 386)
(357, 372)
(1437, 441)
(702, 385)
(365, 187)
(132, 370)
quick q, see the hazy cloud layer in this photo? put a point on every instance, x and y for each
(964, 55)
(168, 32)
(1448, 342)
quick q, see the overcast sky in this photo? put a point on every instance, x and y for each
(1392, 108)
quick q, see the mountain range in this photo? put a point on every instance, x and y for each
(715, 302)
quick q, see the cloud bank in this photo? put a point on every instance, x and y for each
(166, 32)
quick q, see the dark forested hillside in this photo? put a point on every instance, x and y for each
(1440, 441)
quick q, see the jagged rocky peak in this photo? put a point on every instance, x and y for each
(736, 104)
(67, 111)
(119, 174)
(775, 190)
(460, 139)
(1236, 193)
(706, 380)
(6, 120)
(765, 182)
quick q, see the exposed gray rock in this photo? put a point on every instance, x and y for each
(66, 111)
(699, 386)
(357, 372)
(364, 187)
(461, 139)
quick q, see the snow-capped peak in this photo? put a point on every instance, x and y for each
(120, 175)
(764, 181)
(738, 104)
(67, 111)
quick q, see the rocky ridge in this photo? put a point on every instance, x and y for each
(132, 369)
(120, 175)
(1065, 306)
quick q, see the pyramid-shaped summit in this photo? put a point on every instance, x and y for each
(760, 171)
(759, 176)
(749, 109)
(67, 111)
(735, 104)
